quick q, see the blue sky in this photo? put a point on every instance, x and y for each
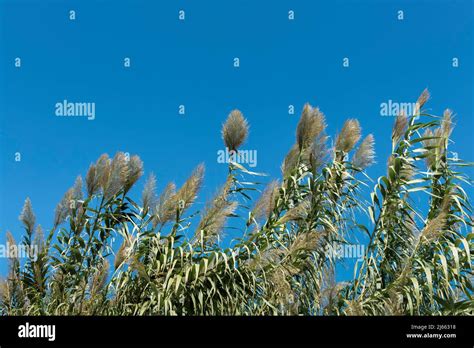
(190, 62)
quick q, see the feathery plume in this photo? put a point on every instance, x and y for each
(27, 216)
(433, 145)
(290, 160)
(119, 173)
(305, 241)
(148, 194)
(422, 99)
(92, 182)
(213, 220)
(39, 238)
(188, 192)
(165, 209)
(135, 171)
(282, 287)
(319, 152)
(311, 124)
(399, 128)
(122, 253)
(77, 189)
(447, 123)
(13, 257)
(355, 308)
(330, 290)
(99, 278)
(296, 213)
(434, 228)
(365, 154)
(349, 136)
(235, 130)
(4, 291)
(63, 208)
(103, 171)
(11, 243)
(265, 204)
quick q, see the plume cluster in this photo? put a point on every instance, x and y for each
(310, 146)
(99, 279)
(422, 99)
(149, 198)
(27, 217)
(214, 218)
(291, 160)
(281, 264)
(296, 213)
(399, 128)
(265, 204)
(113, 175)
(319, 151)
(235, 130)
(436, 141)
(349, 136)
(310, 125)
(188, 192)
(365, 154)
(165, 208)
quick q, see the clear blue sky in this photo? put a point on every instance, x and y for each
(173, 62)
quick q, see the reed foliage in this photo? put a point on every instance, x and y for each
(418, 255)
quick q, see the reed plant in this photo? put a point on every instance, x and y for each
(417, 261)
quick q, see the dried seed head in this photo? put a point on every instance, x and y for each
(10, 244)
(319, 152)
(77, 189)
(349, 136)
(267, 200)
(100, 277)
(63, 208)
(148, 194)
(296, 213)
(188, 192)
(311, 124)
(27, 217)
(400, 126)
(355, 308)
(433, 146)
(235, 130)
(103, 171)
(119, 173)
(365, 154)
(4, 291)
(92, 180)
(216, 214)
(434, 228)
(305, 241)
(165, 209)
(278, 278)
(39, 238)
(122, 253)
(422, 99)
(447, 123)
(13, 257)
(135, 171)
(290, 161)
